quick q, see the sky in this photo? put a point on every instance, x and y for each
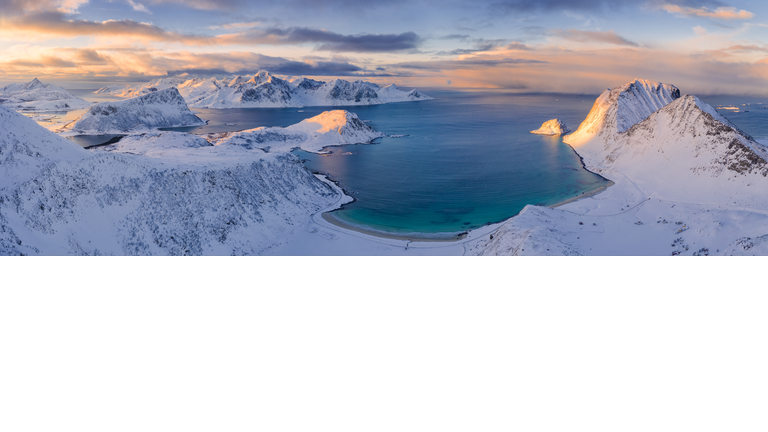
(570, 46)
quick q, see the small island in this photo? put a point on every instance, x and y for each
(552, 127)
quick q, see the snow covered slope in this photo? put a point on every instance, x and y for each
(552, 127)
(330, 128)
(160, 193)
(616, 110)
(36, 96)
(685, 151)
(267, 91)
(682, 161)
(164, 108)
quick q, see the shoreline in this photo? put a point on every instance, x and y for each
(424, 237)
(584, 194)
(411, 237)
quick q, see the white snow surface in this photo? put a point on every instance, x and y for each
(35, 96)
(330, 128)
(164, 108)
(160, 193)
(552, 127)
(687, 182)
(264, 90)
(616, 110)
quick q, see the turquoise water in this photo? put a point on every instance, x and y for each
(468, 160)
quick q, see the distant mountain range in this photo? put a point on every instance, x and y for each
(36, 96)
(264, 90)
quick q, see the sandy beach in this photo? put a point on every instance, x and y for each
(584, 194)
(418, 237)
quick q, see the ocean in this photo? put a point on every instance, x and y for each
(461, 161)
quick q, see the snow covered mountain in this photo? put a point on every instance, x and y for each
(267, 91)
(163, 108)
(160, 193)
(552, 127)
(616, 110)
(684, 151)
(670, 157)
(36, 96)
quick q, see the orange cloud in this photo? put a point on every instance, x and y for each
(591, 71)
(609, 37)
(55, 23)
(725, 13)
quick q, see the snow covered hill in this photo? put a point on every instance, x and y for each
(159, 193)
(673, 159)
(164, 108)
(35, 96)
(264, 90)
(330, 128)
(552, 127)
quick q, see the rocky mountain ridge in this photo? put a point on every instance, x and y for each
(268, 91)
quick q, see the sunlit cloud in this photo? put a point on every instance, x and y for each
(12, 7)
(235, 26)
(724, 13)
(699, 30)
(57, 24)
(138, 6)
(609, 36)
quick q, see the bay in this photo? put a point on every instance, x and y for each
(468, 160)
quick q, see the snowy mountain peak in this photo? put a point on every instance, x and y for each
(162, 108)
(341, 121)
(617, 109)
(35, 83)
(261, 78)
(237, 80)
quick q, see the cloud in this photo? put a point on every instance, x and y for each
(723, 13)
(554, 5)
(13, 7)
(479, 45)
(141, 63)
(56, 23)
(326, 40)
(235, 26)
(437, 65)
(609, 37)
(40, 62)
(232, 5)
(138, 6)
